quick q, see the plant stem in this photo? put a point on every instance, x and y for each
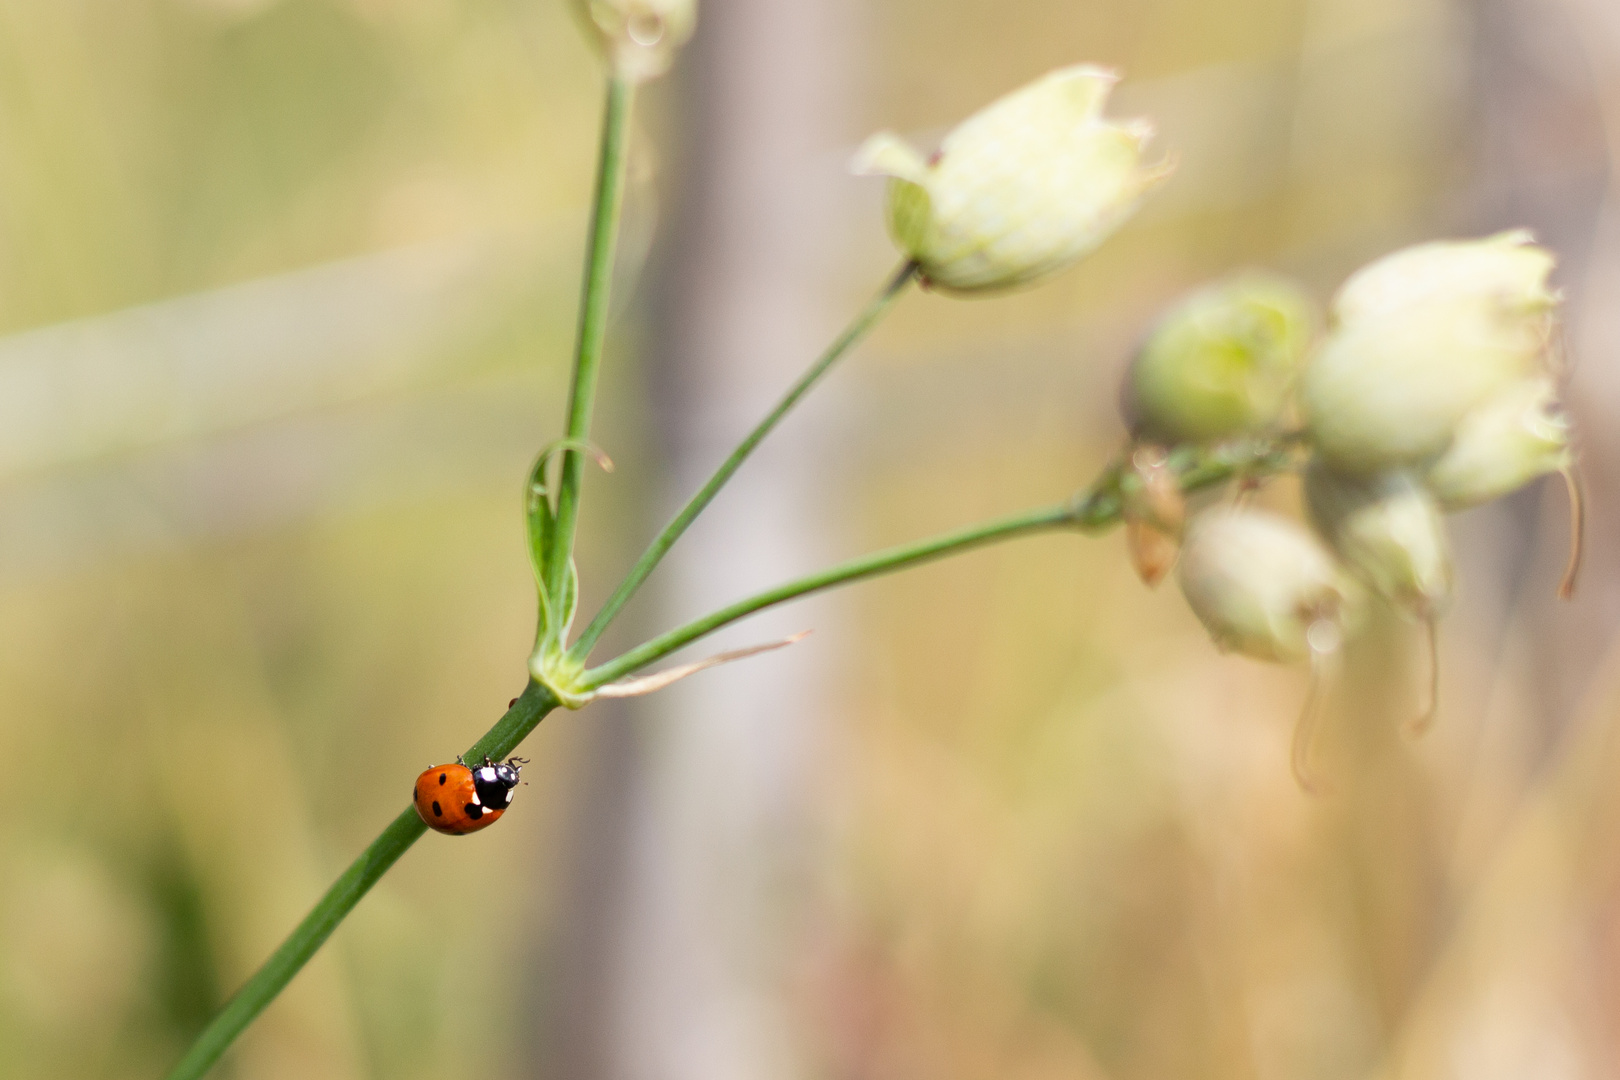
(1094, 509)
(1102, 503)
(536, 701)
(853, 333)
(606, 211)
(1098, 507)
(340, 899)
(882, 562)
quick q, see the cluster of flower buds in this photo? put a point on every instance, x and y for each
(1433, 389)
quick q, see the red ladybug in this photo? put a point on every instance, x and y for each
(455, 799)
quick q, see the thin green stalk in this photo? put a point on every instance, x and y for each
(606, 211)
(526, 712)
(1098, 507)
(882, 562)
(536, 701)
(857, 329)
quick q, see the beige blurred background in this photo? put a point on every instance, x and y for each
(286, 297)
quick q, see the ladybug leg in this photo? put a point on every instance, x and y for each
(460, 762)
(488, 763)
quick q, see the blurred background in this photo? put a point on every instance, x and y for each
(286, 298)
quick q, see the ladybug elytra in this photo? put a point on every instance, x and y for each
(455, 799)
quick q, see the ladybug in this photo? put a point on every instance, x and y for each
(455, 799)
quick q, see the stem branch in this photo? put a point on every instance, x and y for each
(857, 329)
(1097, 507)
(882, 562)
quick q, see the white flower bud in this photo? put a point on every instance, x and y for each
(1021, 189)
(1388, 529)
(1508, 268)
(1516, 436)
(639, 37)
(1424, 337)
(1222, 362)
(1262, 586)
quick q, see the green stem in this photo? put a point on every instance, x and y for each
(882, 562)
(606, 211)
(526, 712)
(1094, 509)
(1102, 504)
(857, 329)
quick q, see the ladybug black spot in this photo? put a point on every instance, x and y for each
(441, 778)
(474, 811)
(436, 811)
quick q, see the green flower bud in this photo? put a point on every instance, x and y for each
(1222, 362)
(1424, 337)
(1021, 189)
(1264, 587)
(1516, 436)
(639, 37)
(1388, 529)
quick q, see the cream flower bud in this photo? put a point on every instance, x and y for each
(1507, 267)
(639, 37)
(1516, 436)
(1019, 190)
(1222, 362)
(1388, 529)
(1425, 336)
(1262, 586)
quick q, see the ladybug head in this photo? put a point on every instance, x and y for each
(507, 771)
